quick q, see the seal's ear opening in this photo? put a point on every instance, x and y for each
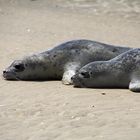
(19, 67)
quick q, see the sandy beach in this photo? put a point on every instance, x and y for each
(50, 110)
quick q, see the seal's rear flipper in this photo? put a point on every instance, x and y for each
(134, 85)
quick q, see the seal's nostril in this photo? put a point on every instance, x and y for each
(4, 71)
(72, 78)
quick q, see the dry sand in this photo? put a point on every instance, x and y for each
(50, 110)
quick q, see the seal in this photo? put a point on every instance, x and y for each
(122, 71)
(62, 61)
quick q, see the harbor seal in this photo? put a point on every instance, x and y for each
(122, 71)
(62, 61)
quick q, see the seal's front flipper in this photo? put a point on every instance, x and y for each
(66, 80)
(134, 85)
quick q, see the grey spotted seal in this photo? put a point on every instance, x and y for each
(62, 61)
(122, 71)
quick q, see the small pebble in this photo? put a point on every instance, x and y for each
(28, 30)
(72, 117)
(65, 104)
(77, 118)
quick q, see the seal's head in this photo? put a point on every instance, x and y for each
(14, 70)
(28, 68)
(97, 75)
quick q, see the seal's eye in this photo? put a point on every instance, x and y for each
(85, 74)
(19, 67)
